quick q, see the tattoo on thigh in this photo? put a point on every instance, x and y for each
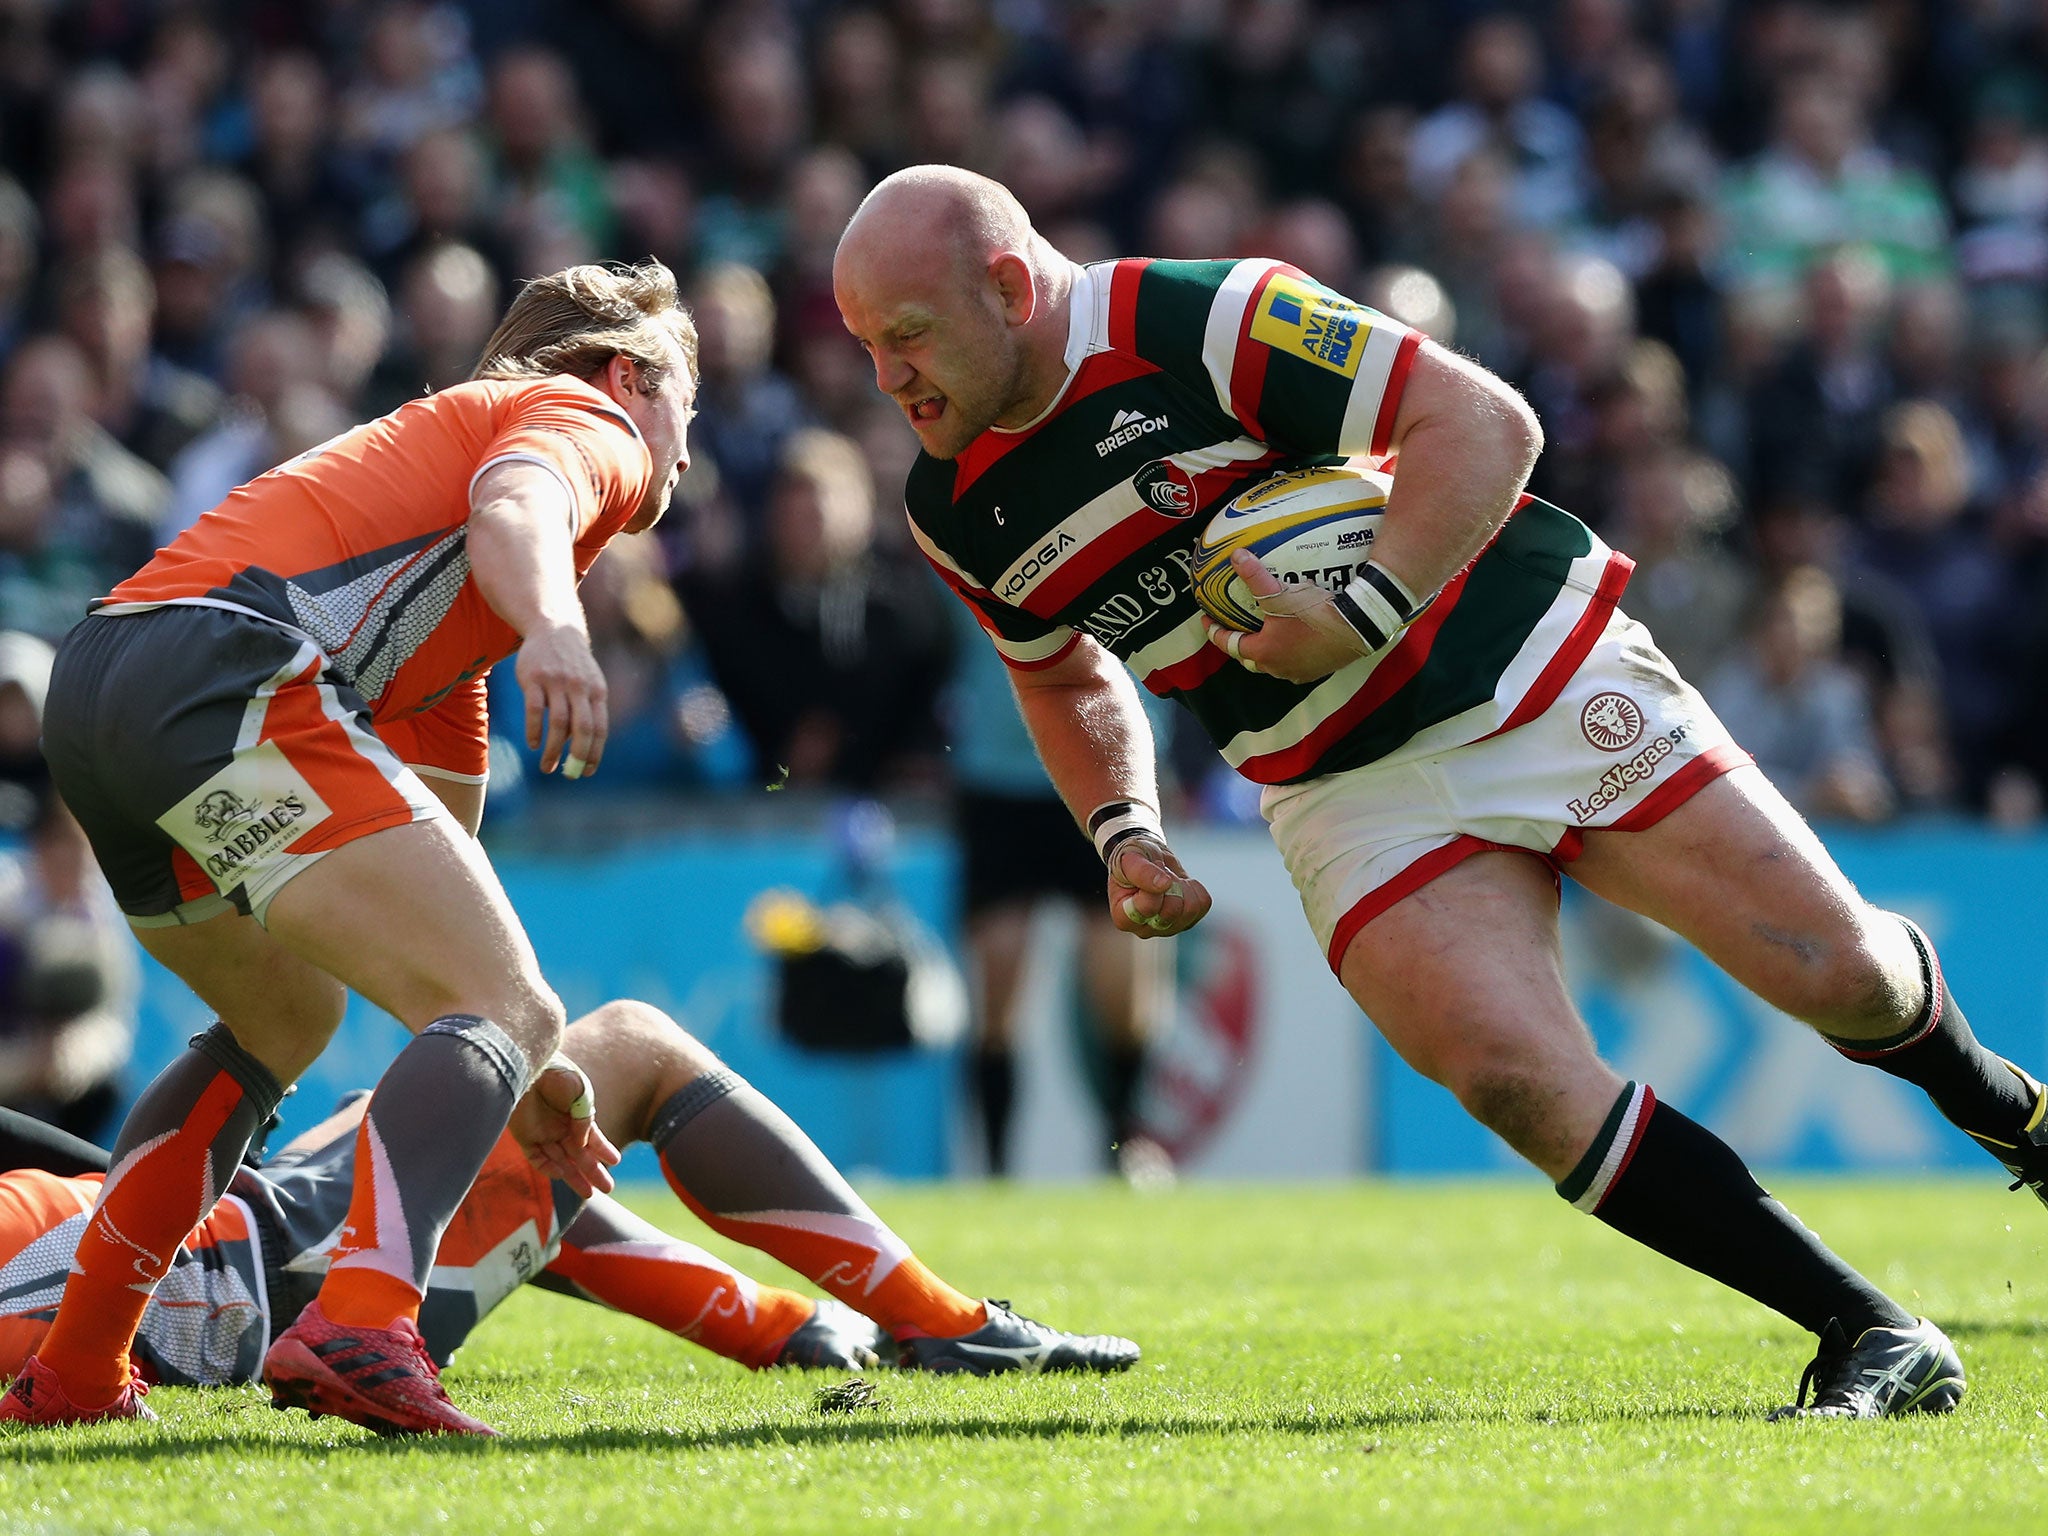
(1809, 950)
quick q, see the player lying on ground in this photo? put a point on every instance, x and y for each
(1470, 716)
(274, 735)
(729, 1154)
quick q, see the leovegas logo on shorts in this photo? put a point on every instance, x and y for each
(1618, 780)
(1613, 722)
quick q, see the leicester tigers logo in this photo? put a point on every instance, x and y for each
(1613, 722)
(1165, 486)
(221, 812)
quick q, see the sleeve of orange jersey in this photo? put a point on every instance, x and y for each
(450, 741)
(586, 441)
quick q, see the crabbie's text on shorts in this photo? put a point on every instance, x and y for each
(1615, 782)
(261, 828)
(245, 819)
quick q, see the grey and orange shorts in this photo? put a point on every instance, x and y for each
(211, 755)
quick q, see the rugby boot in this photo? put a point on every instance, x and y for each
(380, 1378)
(1008, 1342)
(2027, 1161)
(836, 1338)
(37, 1397)
(1887, 1371)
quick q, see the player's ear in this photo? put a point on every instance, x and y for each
(1011, 275)
(622, 376)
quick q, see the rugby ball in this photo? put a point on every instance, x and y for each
(1309, 525)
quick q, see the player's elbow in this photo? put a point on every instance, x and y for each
(1520, 432)
(1453, 400)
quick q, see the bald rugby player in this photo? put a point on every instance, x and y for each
(274, 735)
(1434, 743)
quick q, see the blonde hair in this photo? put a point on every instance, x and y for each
(837, 472)
(577, 320)
(1926, 430)
(832, 462)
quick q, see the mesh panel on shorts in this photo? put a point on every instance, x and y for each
(33, 1280)
(204, 1326)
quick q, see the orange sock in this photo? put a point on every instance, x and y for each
(857, 1259)
(677, 1286)
(723, 1144)
(367, 1285)
(155, 1194)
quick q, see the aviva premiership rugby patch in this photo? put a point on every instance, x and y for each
(1303, 320)
(245, 817)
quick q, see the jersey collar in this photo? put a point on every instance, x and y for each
(1088, 295)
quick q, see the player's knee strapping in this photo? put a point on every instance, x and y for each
(747, 1170)
(177, 1151)
(1676, 1187)
(1980, 1091)
(434, 1118)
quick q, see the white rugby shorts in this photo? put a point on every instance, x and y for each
(1625, 742)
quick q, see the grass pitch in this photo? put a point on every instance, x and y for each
(1430, 1357)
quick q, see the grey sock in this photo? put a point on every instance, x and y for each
(437, 1112)
(726, 1147)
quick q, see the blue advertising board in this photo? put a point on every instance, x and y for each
(663, 921)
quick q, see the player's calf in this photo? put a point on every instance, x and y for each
(1674, 1186)
(2001, 1107)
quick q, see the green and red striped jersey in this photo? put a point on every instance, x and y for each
(1187, 383)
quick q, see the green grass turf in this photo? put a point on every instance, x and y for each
(1427, 1357)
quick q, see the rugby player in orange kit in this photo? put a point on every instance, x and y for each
(274, 735)
(741, 1166)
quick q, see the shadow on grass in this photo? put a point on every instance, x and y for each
(22, 1447)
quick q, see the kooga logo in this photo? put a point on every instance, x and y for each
(1128, 427)
(1036, 565)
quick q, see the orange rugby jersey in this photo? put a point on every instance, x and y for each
(361, 544)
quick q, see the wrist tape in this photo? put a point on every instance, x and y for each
(1116, 822)
(1376, 605)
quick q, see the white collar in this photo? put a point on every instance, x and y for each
(1086, 295)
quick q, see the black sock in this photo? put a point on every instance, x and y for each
(1673, 1185)
(1991, 1099)
(1123, 1071)
(993, 1081)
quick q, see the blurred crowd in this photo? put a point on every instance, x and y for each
(1772, 271)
